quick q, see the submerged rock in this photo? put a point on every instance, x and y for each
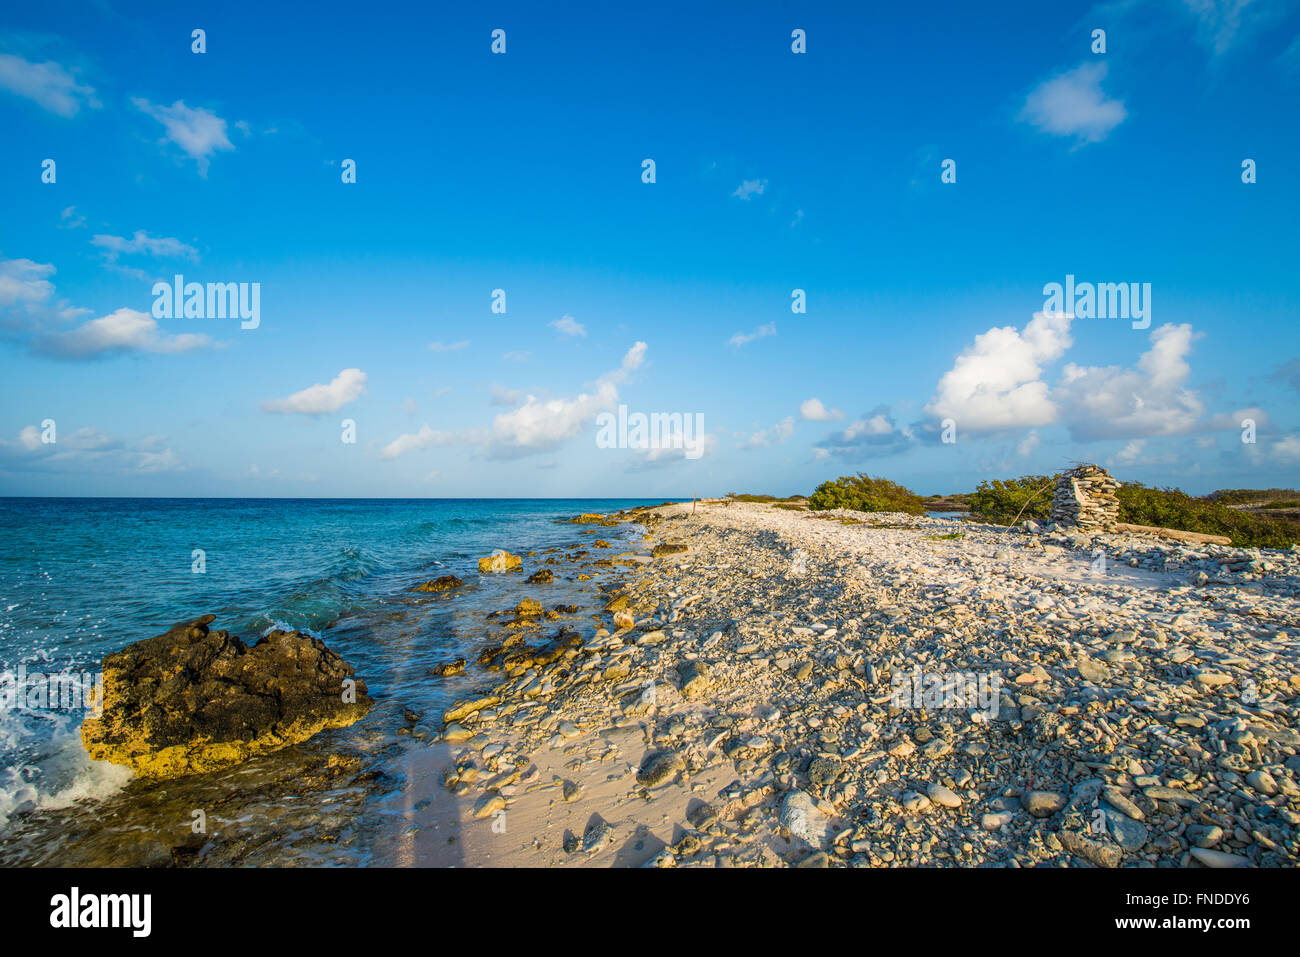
(442, 583)
(193, 700)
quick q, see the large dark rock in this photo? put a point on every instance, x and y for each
(193, 700)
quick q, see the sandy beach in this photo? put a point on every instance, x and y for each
(775, 687)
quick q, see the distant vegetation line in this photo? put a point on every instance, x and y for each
(1261, 518)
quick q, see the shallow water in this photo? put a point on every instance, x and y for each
(82, 577)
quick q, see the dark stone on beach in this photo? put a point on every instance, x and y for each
(567, 609)
(823, 772)
(694, 678)
(667, 548)
(658, 768)
(702, 815)
(543, 576)
(443, 583)
(193, 700)
(448, 669)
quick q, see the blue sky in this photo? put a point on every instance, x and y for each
(522, 171)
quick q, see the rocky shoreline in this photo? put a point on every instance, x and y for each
(771, 687)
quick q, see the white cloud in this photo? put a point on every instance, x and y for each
(1026, 446)
(997, 384)
(675, 449)
(87, 450)
(541, 425)
(812, 410)
(1130, 452)
(348, 386)
(423, 439)
(875, 433)
(516, 356)
(126, 330)
(535, 426)
(1073, 104)
(1287, 448)
(29, 310)
(24, 282)
(994, 384)
(773, 434)
(750, 188)
(71, 219)
(48, 84)
(197, 131)
(448, 347)
(1230, 421)
(569, 326)
(142, 242)
(743, 338)
(1152, 399)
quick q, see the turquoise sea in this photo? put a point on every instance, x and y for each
(83, 577)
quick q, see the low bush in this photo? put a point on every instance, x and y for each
(1001, 500)
(862, 493)
(1171, 508)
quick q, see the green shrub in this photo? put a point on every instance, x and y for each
(862, 493)
(1170, 508)
(1001, 500)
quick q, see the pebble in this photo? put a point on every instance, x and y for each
(942, 795)
(488, 805)
(1042, 803)
(455, 733)
(1262, 782)
(995, 820)
(1219, 859)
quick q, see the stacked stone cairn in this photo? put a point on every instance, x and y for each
(1085, 498)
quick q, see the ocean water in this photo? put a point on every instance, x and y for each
(83, 577)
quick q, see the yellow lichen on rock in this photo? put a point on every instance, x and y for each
(192, 700)
(499, 561)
